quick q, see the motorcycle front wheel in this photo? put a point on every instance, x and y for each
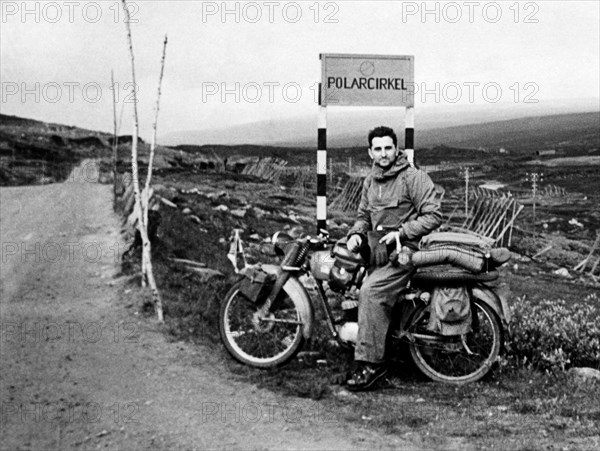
(452, 359)
(262, 342)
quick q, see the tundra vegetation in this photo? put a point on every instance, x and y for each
(533, 398)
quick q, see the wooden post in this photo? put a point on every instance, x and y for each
(511, 224)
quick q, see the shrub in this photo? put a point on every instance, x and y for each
(552, 335)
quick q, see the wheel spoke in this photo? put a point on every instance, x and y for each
(455, 364)
(265, 341)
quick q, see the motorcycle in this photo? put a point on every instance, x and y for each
(268, 315)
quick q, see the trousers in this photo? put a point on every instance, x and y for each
(376, 299)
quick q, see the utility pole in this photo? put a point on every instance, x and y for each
(465, 172)
(534, 178)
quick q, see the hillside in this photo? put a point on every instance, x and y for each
(30, 143)
(474, 127)
(530, 133)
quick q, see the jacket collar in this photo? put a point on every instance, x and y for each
(400, 165)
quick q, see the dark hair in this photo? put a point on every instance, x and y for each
(380, 132)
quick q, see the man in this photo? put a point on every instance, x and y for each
(400, 198)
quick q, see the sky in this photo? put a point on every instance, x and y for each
(240, 62)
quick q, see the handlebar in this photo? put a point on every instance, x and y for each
(320, 239)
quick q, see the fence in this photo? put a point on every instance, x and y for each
(591, 259)
(492, 215)
(268, 169)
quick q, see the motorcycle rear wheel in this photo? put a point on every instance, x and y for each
(446, 359)
(261, 342)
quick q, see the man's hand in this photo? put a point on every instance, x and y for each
(354, 243)
(392, 237)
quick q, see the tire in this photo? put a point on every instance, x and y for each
(449, 361)
(261, 344)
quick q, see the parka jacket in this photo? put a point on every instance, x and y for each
(399, 198)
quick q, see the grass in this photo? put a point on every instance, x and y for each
(514, 405)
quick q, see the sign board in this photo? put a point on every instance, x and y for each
(367, 80)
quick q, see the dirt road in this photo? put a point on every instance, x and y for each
(79, 370)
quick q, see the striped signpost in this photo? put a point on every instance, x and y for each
(362, 80)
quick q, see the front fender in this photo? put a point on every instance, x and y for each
(299, 296)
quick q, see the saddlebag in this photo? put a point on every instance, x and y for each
(348, 268)
(450, 310)
(256, 285)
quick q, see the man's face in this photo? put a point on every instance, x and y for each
(383, 152)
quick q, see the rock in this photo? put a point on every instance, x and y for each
(238, 212)
(576, 223)
(191, 191)
(196, 219)
(255, 236)
(159, 187)
(296, 232)
(344, 394)
(586, 373)
(213, 196)
(259, 212)
(187, 211)
(563, 272)
(267, 249)
(221, 208)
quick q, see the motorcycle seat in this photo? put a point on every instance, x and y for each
(448, 273)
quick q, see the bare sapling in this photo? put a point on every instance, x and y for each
(146, 192)
(115, 139)
(147, 273)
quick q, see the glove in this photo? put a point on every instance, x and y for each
(354, 243)
(401, 258)
(378, 251)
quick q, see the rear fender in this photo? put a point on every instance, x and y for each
(297, 291)
(496, 302)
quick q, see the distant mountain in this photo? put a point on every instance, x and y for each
(348, 127)
(573, 134)
(528, 133)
